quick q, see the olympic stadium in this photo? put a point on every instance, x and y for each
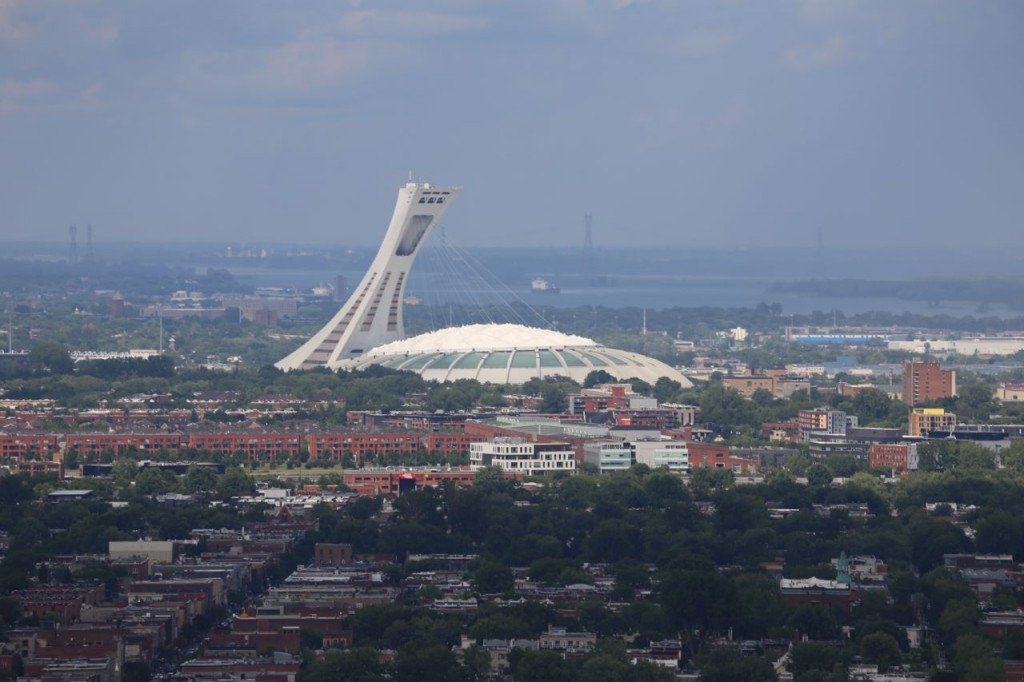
(510, 354)
(369, 328)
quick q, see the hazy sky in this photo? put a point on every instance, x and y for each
(728, 122)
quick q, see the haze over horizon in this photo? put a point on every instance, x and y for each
(713, 124)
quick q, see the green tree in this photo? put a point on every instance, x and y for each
(51, 357)
(725, 410)
(817, 657)
(728, 665)
(597, 377)
(814, 621)
(819, 475)
(477, 663)
(666, 390)
(360, 664)
(1012, 456)
(492, 577)
(881, 649)
(972, 655)
(974, 400)
(434, 663)
(542, 666)
(199, 480)
(552, 399)
(124, 472)
(234, 483)
(155, 481)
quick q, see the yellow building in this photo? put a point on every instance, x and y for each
(926, 419)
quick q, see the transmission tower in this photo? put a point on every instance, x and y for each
(73, 246)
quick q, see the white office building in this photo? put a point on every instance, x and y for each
(668, 454)
(517, 455)
(609, 456)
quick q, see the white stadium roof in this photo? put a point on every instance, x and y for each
(510, 354)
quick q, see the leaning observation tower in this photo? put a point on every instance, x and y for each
(372, 316)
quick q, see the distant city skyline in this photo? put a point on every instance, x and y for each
(718, 123)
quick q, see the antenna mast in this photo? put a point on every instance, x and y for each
(73, 246)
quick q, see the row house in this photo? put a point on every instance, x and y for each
(41, 468)
(21, 446)
(61, 602)
(79, 642)
(431, 422)
(237, 644)
(560, 638)
(269, 669)
(253, 446)
(327, 626)
(106, 669)
(450, 443)
(212, 400)
(211, 590)
(92, 445)
(333, 446)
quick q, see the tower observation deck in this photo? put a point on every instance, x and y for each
(372, 316)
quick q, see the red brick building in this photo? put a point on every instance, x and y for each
(92, 445)
(367, 482)
(332, 554)
(828, 593)
(898, 457)
(37, 468)
(925, 381)
(254, 446)
(333, 446)
(450, 443)
(63, 602)
(21, 446)
(715, 456)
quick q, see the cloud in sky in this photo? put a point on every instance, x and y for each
(12, 29)
(704, 42)
(413, 23)
(735, 122)
(15, 94)
(826, 10)
(303, 65)
(832, 51)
